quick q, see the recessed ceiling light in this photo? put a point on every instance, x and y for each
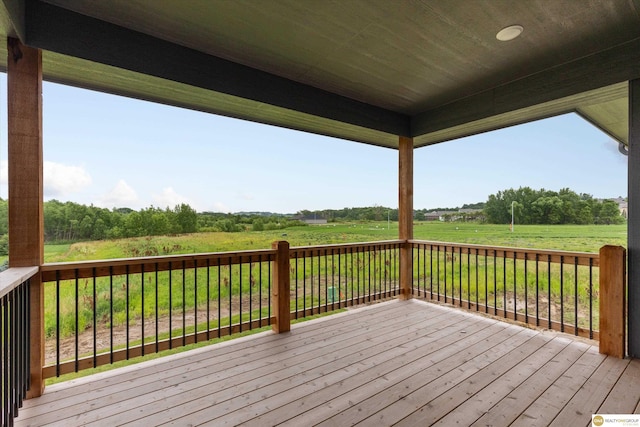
(509, 33)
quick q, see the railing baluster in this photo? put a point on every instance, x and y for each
(184, 301)
(11, 345)
(240, 292)
(477, 277)
(260, 288)
(7, 403)
(95, 321)
(339, 279)
(486, 283)
(270, 282)
(219, 300)
(504, 283)
(495, 284)
(515, 287)
(445, 273)
(142, 308)
(170, 305)
(296, 283)
(127, 308)
(195, 301)
(469, 279)
(561, 293)
(157, 308)
(358, 271)
(369, 275)
(110, 317)
(537, 291)
(351, 272)
(230, 290)
(590, 298)
(304, 283)
(575, 296)
(526, 289)
(333, 284)
(460, 274)
(209, 299)
(58, 324)
(549, 288)
(76, 321)
(312, 285)
(431, 271)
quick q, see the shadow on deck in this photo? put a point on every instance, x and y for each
(394, 363)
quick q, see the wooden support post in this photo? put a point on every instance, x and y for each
(281, 300)
(633, 218)
(26, 223)
(613, 273)
(405, 214)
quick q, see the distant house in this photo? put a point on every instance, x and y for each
(461, 214)
(436, 215)
(623, 206)
(314, 221)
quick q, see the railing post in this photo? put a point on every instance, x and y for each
(25, 160)
(281, 288)
(613, 273)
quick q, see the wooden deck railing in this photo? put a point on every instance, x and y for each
(101, 312)
(331, 277)
(552, 289)
(98, 313)
(14, 335)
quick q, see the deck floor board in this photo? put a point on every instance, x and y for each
(395, 363)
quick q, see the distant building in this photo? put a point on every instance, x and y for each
(314, 221)
(436, 215)
(461, 214)
(623, 206)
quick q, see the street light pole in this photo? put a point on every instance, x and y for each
(512, 215)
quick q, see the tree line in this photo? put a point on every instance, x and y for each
(69, 221)
(550, 207)
(371, 213)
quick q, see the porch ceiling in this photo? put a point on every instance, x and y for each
(362, 70)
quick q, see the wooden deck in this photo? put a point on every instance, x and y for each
(404, 363)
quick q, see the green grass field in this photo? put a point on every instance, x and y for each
(584, 238)
(570, 238)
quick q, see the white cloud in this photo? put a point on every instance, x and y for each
(4, 172)
(61, 180)
(169, 198)
(122, 195)
(220, 207)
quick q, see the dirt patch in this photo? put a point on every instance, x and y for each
(103, 332)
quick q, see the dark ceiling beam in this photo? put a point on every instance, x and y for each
(15, 11)
(615, 65)
(59, 30)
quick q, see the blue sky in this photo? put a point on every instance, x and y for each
(113, 152)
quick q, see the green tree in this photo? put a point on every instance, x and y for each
(609, 213)
(186, 218)
(258, 224)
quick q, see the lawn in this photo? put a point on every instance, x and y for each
(584, 238)
(160, 300)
